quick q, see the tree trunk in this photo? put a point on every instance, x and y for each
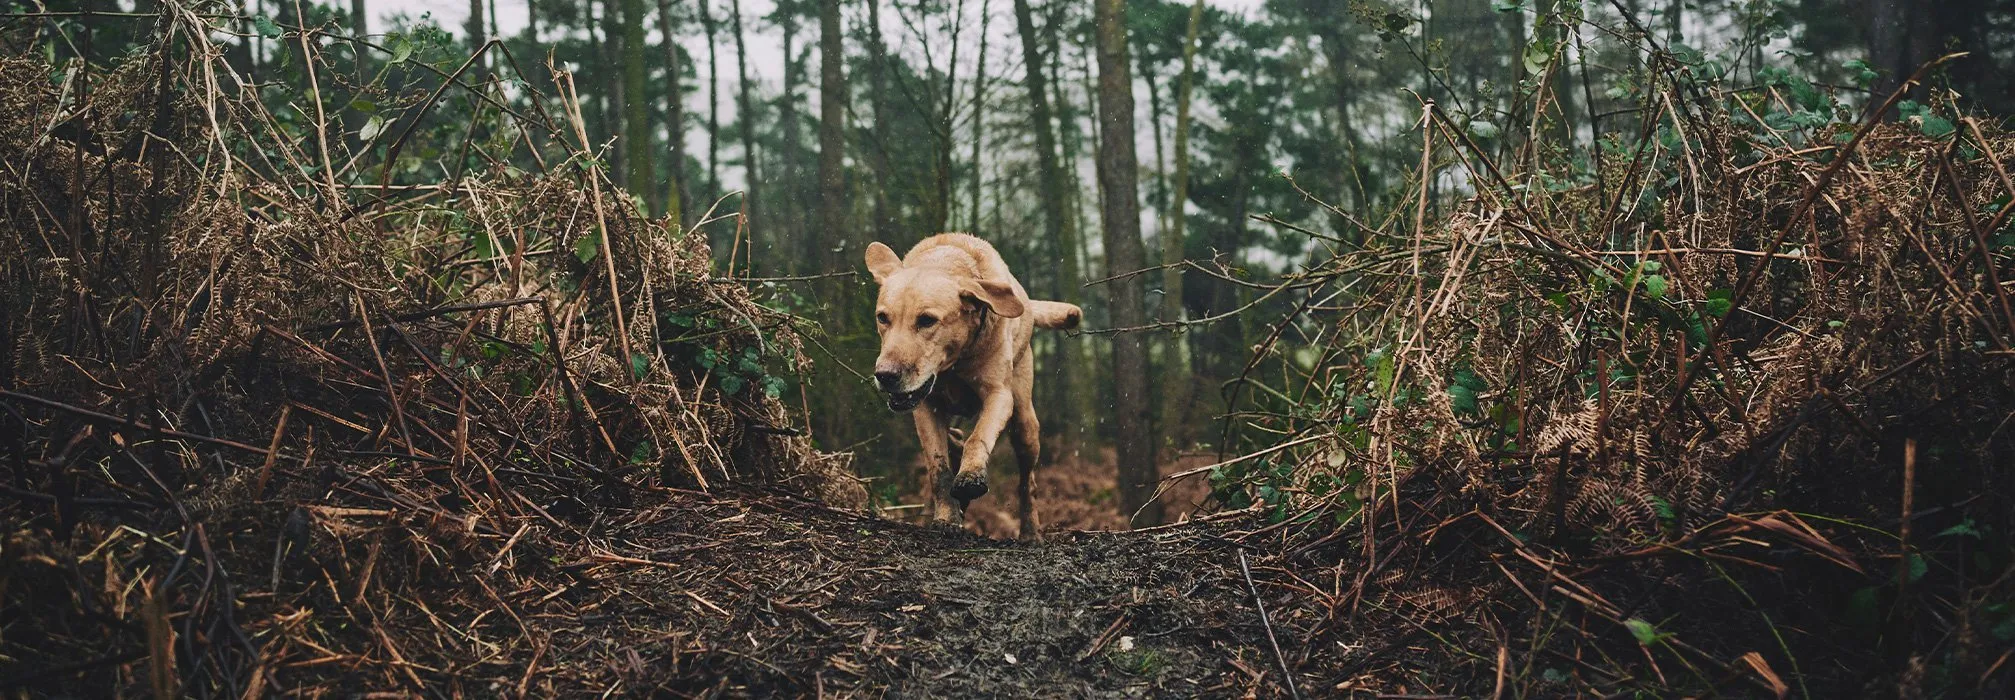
(1900, 38)
(636, 136)
(676, 193)
(1060, 225)
(941, 205)
(1175, 378)
(713, 101)
(784, 224)
(831, 238)
(1124, 254)
(879, 218)
(1154, 111)
(745, 114)
(477, 37)
(979, 111)
(833, 98)
(360, 26)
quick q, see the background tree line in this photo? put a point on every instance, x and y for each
(1087, 141)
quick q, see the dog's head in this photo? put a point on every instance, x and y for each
(927, 313)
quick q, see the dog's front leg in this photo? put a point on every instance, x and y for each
(996, 407)
(933, 435)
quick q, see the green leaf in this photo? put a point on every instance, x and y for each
(266, 28)
(1862, 607)
(1537, 56)
(640, 365)
(402, 48)
(587, 248)
(372, 128)
(1654, 286)
(1397, 22)
(1935, 126)
(1917, 566)
(1463, 400)
(1864, 74)
(1483, 130)
(1965, 529)
(1720, 302)
(1645, 633)
(1507, 5)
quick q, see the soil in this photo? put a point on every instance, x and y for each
(764, 595)
(1076, 491)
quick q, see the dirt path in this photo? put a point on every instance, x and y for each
(762, 596)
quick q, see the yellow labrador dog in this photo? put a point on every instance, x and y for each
(955, 328)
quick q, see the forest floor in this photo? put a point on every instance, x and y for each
(760, 594)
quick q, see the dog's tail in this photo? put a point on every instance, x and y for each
(1055, 314)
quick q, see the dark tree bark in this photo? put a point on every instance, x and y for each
(360, 25)
(713, 100)
(636, 136)
(785, 225)
(676, 191)
(1123, 254)
(879, 217)
(979, 111)
(746, 115)
(1177, 390)
(477, 37)
(1059, 223)
(833, 97)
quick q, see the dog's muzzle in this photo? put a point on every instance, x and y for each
(906, 401)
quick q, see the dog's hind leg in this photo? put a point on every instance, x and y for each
(1027, 434)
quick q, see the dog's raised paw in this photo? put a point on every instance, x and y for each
(967, 487)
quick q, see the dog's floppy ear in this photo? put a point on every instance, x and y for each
(882, 261)
(998, 296)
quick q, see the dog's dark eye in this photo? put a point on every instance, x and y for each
(882, 318)
(926, 321)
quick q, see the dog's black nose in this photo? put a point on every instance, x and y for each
(888, 380)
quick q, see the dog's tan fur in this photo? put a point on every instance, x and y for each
(956, 323)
